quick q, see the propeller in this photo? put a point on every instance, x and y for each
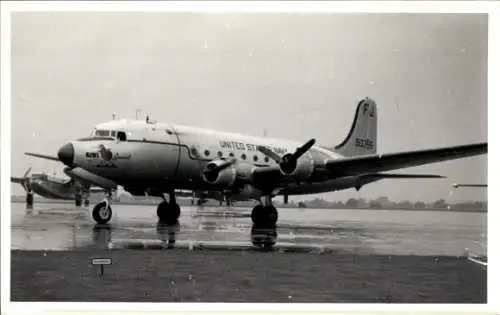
(212, 168)
(288, 162)
(24, 181)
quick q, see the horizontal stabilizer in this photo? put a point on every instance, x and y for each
(387, 162)
(470, 185)
(388, 175)
(43, 156)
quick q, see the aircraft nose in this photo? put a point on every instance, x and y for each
(66, 154)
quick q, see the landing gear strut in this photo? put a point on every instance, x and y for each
(29, 200)
(102, 211)
(168, 212)
(78, 201)
(264, 219)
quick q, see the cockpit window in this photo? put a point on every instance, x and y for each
(121, 136)
(102, 133)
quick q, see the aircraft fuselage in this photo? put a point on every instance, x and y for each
(173, 156)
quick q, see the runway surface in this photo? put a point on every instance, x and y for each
(422, 233)
(334, 256)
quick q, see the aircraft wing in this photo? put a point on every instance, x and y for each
(387, 162)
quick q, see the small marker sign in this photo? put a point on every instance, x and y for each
(101, 262)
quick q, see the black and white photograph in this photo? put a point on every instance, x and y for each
(246, 157)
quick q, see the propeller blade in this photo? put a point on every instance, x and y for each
(268, 152)
(303, 149)
(26, 186)
(27, 172)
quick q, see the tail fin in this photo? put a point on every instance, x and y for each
(362, 138)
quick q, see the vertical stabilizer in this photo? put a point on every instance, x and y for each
(362, 137)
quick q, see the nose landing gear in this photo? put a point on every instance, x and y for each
(102, 211)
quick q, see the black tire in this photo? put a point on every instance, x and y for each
(100, 215)
(264, 216)
(168, 212)
(257, 214)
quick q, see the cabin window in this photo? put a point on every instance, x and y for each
(266, 159)
(113, 133)
(194, 151)
(207, 153)
(219, 154)
(255, 158)
(121, 136)
(231, 154)
(243, 156)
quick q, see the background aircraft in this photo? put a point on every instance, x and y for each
(158, 158)
(56, 187)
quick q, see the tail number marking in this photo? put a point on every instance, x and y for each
(364, 143)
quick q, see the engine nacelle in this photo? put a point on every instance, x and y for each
(301, 169)
(225, 177)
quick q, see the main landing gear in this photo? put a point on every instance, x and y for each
(29, 200)
(264, 218)
(168, 212)
(102, 211)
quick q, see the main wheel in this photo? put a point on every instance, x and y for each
(102, 212)
(168, 212)
(264, 216)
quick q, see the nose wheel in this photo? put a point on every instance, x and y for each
(102, 212)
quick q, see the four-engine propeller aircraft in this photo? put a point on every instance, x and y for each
(158, 158)
(52, 187)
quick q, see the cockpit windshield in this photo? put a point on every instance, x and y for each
(120, 135)
(102, 133)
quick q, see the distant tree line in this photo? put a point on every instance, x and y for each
(384, 203)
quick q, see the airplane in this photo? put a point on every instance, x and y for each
(55, 187)
(149, 157)
(455, 185)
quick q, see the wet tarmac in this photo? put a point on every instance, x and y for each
(386, 232)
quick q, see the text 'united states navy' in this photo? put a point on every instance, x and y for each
(247, 146)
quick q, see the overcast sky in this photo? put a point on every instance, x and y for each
(297, 76)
